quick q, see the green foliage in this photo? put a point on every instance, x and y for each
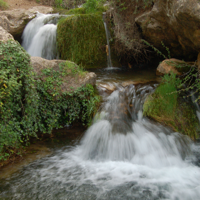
(3, 5)
(60, 105)
(82, 39)
(58, 3)
(18, 97)
(92, 6)
(157, 50)
(165, 105)
(165, 97)
(30, 103)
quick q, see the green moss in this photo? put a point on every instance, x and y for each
(82, 39)
(167, 107)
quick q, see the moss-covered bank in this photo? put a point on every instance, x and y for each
(82, 39)
(31, 103)
(167, 106)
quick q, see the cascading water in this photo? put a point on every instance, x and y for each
(108, 52)
(39, 36)
(122, 156)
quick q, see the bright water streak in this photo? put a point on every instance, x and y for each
(39, 36)
(122, 156)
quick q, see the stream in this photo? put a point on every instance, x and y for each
(121, 156)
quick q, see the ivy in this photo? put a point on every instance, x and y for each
(18, 97)
(32, 102)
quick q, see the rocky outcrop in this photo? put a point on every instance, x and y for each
(4, 35)
(174, 22)
(69, 83)
(173, 65)
(14, 21)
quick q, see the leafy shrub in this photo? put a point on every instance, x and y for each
(30, 103)
(18, 96)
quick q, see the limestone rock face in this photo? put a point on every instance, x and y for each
(14, 21)
(70, 83)
(176, 23)
(4, 35)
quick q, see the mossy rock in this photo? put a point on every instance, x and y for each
(82, 39)
(170, 109)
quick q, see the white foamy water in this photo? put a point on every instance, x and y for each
(39, 36)
(122, 156)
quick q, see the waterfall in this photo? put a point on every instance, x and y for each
(108, 52)
(39, 36)
(123, 155)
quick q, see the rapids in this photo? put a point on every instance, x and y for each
(122, 155)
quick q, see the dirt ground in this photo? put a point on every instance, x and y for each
(25, 4)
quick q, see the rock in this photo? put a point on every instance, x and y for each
(14, 21)
(175, 23)
(108, 87)
(4, 35)
(176, 66)
(70, 83)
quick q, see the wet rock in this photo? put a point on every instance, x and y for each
(109, 88)
(176, 23)
(14, 21)
(70, 83)
(172, 65)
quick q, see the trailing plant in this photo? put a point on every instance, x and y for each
(61, 104)
(18, 97)
(30, 103)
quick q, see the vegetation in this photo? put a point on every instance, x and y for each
(167, 106)
(3, 5)
(82, 39)
(30, 103)
(127, 38)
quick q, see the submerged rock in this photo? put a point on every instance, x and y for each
(175, 23)
(14, 21)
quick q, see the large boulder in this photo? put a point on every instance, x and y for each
(14, 21)
(82, 39)
(73, 78)
(175, 23)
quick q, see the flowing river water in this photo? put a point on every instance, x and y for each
(122, 155)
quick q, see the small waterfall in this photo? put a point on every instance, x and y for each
(123, 155)
(108, 52)
(39, 36)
